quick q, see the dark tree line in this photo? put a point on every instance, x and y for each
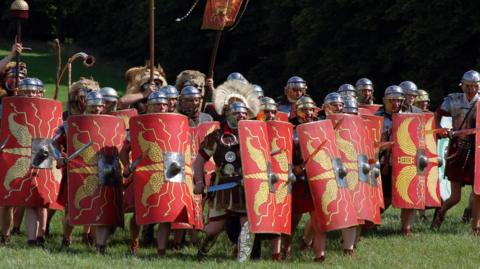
(327, 42)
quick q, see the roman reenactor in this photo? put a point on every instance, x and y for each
(364, 87)
(295, 88)
(25, 128)
(460, 167)
(172, 96)
(95, 173)
(236, 101)
(347, 90)
(76, 106)
(110, 98)
(138, 87)
(410, 91)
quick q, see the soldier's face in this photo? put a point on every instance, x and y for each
(157, 108)
(296, 93)
(336, 107)
(409, 99)
(240, 115)
(110, 106)
(95, 109)
(308, 114)
(269, 114)
(190, 105)
(423, 105)
(172, 104)
(470, 89)
(396, 105)
(367, 94)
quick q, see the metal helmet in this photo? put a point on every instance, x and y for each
(422, 96)
(409, 87)
(471, 76)
(364, 84)
(347, 90)
(333, 97)
(237, 76)
(296, 82)
(157, 97)
(190, 92)
(94, 98)
(305, 102)
(233, 108)
(267, 103)
(109, 94)
(258, 90)
(169, 91)
(350, 105)
(394, 92)
(31, 85)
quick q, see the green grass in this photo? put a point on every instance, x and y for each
(42, 63)
(451, 247)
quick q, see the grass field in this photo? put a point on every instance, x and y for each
(451, 247)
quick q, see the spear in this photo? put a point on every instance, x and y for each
(151, 9)
(19, 10)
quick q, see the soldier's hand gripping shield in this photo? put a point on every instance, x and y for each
(432, 182)
(326, 176)
(353, 145)
(163, 179)
(265, 175)
(29, 174)
(94, 175)
(409, 161)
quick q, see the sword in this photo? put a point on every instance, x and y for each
(454, 133)
(76, 153)
(4, 143)
(384, 145)
(224, 186)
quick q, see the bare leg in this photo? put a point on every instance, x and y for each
(348, 239)
(42, 222)
(7, 216)
(455, 196)
(102, 233)
(476, 213)
(50, 214)
(407, 217)
(32, 225)
(135, 231)
(67, 231)
(212, 230)
(308, 235)
(319, 245)
(287, 241)
(18, 214)
(276, 247)
(178, 236)
(162, 238)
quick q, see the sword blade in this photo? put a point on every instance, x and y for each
(222, 187)
(80, 150)
(4, 143)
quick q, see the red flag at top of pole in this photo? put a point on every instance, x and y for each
(220, 14)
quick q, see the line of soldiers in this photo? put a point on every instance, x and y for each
(255, 164)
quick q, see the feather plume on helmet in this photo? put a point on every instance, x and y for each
(235, 90)
(139, 75)
(196, 78)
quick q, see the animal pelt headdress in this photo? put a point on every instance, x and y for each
(196, 78)
(82, 83)
(236, 90)
(139, 75)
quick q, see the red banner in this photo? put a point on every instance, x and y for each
(220, 14)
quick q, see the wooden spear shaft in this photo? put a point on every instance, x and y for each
(152, 38)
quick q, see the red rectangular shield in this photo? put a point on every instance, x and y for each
(408, 175)
(220, 14)
(163, 179)
(30, 178)
(373, 107)
(259, 181)
(280, 135)
(125, 115)
(95, 176)
(334, 208)
(353, 145)
(432, 183)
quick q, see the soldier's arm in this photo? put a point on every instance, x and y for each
(131, 98)
(198, 174)
(17, 47)
(207, 148)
